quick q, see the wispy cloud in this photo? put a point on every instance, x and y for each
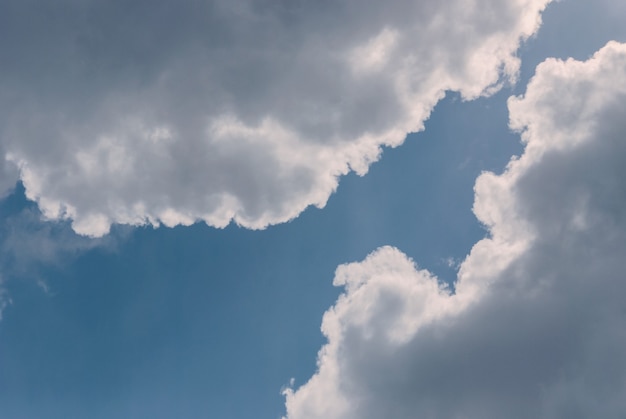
(31, 245)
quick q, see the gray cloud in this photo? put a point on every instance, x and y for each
(156, 112)
(536, 324)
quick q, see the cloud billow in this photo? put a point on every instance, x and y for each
(157, 112)
(535, 325)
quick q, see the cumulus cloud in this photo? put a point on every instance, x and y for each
(167, 112)
(536, 323)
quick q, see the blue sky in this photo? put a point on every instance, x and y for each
(106, 315)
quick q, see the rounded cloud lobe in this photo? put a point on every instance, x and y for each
(535, 324)
(142, 112)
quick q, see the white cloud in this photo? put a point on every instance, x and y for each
(171, 112)
(537, 324)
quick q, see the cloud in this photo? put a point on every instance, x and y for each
(143, 112)
(535, 325)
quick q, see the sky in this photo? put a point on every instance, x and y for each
(302, 210)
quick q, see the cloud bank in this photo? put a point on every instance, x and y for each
(535, 326)
(143, 112)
